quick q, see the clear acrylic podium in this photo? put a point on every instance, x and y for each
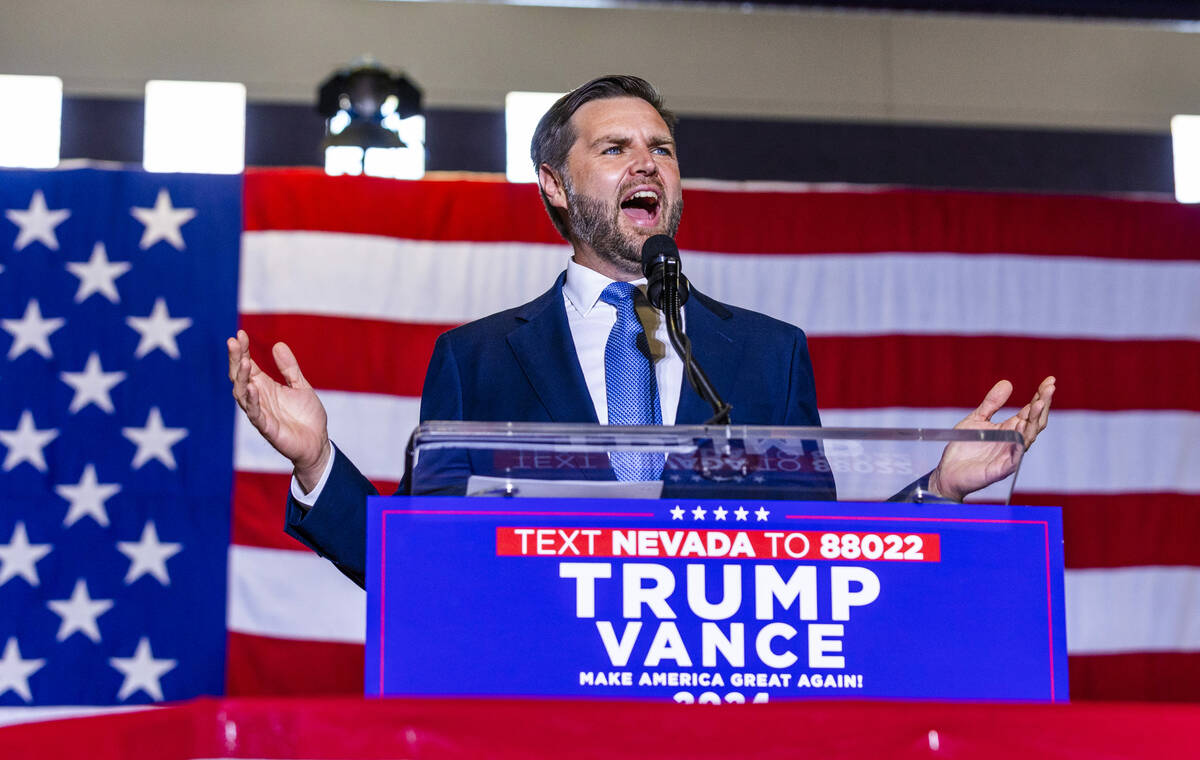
(572, 584)
(701, 461)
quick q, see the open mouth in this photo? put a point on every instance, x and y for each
(642, 206)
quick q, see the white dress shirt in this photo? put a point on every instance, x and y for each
(590, 321)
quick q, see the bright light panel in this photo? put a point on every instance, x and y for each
(1185, 142)
(394, 163)
(522, 111)
(343, 159)
(30, 121)
(400, 163)
(195, 127)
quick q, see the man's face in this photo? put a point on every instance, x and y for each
(621, 182)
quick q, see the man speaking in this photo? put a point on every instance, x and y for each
(590, 349)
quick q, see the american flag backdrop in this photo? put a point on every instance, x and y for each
(116, 434)
(915, 303)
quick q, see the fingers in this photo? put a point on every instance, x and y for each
(993, 401)
(1037, 412)
(239, 362)
(288, 366)
(243, 371)
(1046, 391)
(239, 349)
(253, 405)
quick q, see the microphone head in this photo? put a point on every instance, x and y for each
(657, 248)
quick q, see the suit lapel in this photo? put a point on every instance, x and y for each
(717, 351)
(545, 350)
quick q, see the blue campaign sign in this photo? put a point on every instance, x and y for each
(712, 601)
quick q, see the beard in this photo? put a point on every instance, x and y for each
(597, 223)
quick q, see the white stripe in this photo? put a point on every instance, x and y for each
(10, 716)
(286, 594)
(1080, 451)
(887, 293)
(294, 595)
(391, 279)
(1133, 609)
(948, 294)
(371, 429)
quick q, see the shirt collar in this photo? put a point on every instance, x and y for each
(584, 286)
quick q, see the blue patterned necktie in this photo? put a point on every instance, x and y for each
(629, 383)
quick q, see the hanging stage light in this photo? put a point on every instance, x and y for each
(366, 108)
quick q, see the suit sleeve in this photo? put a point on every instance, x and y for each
(801, 404)
(443, 472)
(802, 411)
(336, 526)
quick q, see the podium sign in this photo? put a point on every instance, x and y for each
(714, 601)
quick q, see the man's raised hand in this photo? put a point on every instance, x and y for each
(290, 417)
(966, 468)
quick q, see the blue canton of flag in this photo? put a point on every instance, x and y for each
(117, 289)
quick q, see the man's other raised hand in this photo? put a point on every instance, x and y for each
(290, 417)
(970, 467)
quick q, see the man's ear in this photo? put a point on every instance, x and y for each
(552, 186)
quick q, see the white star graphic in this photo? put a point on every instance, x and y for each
(698, 513)
(37, 223)
(677, 513)
(19, 557)
(741, 513)
(79, 613)
(15, 672)
(26, 442)
(87, 498)
(92, 386)
(148, 555)
(158, 330)
(31, 332)
(163, 221)
(761, 514)
(719, 513)
(142, 671)
(154, 441)
(98, 275)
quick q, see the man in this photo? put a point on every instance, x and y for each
(609, 177)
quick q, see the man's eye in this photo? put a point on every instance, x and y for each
(614, 149)
(663, 151)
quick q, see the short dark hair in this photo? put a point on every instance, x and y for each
(554, 136)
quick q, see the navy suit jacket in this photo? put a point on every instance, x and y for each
(521, 365)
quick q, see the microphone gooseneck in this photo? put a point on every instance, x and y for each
(667, 291)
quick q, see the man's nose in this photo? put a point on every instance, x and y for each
(644, 162)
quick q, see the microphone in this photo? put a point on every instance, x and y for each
(667, 290)
(662, 268)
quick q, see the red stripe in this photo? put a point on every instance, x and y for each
(1100, 530)
(1155, 677)
(783, 222)
(344, 354)
(263, 666)
(956, 371)
(482, 211)
(258, 507)
(938, 370)
(1122, 530)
